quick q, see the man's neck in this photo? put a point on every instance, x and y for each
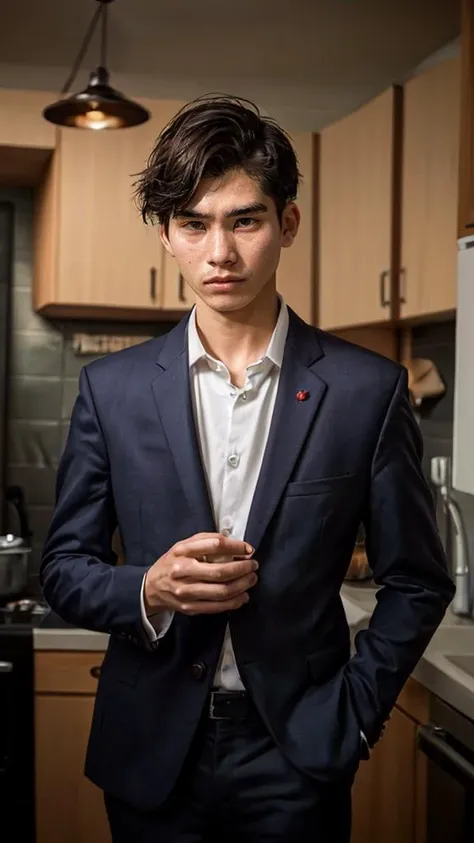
(238, 338)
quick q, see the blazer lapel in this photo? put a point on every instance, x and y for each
(172, 394)
(292, 420)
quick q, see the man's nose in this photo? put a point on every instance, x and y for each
(221, 248)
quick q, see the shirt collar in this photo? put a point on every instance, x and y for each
(275, 348)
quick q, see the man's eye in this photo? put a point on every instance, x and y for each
(193, 225)
(246, 222)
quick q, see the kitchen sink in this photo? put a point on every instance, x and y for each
(454, 642)
(454, 639)
(464, 662)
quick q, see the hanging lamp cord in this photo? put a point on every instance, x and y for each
(103, 40)
(101, 10)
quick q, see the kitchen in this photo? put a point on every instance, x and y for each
(395, 178)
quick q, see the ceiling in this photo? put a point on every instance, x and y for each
(307, 61)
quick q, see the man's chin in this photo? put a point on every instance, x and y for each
(228, 302)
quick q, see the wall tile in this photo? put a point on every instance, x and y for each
(70, 392)
(40, 519)
(434, 333)
(23, 316)
(39, 484)
(34, 443)
(35, 354)
(22, 275)
(35, 399)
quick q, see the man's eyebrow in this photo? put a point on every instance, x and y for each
(246, 210)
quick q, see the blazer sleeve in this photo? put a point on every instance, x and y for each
(79, 576)
(407, 559)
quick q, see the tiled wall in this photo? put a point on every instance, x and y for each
(436, 342)
(43, 381)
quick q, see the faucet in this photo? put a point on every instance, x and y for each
(441, 477)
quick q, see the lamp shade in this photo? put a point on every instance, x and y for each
(97, 107)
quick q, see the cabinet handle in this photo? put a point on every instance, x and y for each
(181, 288)
(95, 671)
(384, 299)
(6, 667)
(403, 275)
(153, 283)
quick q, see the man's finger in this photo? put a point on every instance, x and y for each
(194, 571)
(209, 547)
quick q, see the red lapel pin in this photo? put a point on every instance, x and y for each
(302, 395)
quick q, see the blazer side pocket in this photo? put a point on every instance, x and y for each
(324, 486)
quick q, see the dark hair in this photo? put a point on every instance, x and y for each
(205, 139)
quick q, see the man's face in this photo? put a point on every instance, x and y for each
(227, 242)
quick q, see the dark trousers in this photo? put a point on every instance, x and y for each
(237, 787)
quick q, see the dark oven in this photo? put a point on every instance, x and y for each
(448, 743)
(17, 757)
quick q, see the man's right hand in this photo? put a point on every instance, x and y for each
(180, 581)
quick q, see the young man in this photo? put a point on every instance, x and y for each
(228, 706)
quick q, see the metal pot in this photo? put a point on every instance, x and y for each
(13, 565)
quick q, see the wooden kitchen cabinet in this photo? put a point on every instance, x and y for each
(26, 138)
(466, 152)
(430, 191)
(389, 794)
(21, 120)
(94, 257)
(68, 806)
(357, 210)
(295, 274)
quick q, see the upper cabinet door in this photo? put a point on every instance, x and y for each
(21, 120)
(295, 274)
(107, 255)
(356, 216)
(100, 258)
(430, 191)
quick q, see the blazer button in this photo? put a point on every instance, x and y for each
(198, 670)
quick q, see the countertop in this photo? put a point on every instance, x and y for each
(69, 638)
(455, 637)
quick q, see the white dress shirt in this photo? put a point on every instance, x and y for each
(232, 426)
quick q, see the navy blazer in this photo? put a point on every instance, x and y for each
(347, 455)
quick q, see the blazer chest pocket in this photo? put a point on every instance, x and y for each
(326, 485)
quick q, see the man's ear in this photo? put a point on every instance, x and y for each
(165, 239)
(290, 222)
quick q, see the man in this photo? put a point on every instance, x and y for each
(228, 707)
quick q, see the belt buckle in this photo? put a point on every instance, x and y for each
(212, 715)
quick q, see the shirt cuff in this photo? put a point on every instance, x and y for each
(161, 620)
(365, 741)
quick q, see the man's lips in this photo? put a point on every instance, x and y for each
(219, 280)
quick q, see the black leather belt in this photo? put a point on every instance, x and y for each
(228, 705)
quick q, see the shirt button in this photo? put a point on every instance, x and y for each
(226, 531)
(244, 396)
(233, 460)
(198, 670)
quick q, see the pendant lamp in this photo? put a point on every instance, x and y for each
(98, 106)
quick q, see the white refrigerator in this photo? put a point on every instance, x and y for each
(463, 433)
